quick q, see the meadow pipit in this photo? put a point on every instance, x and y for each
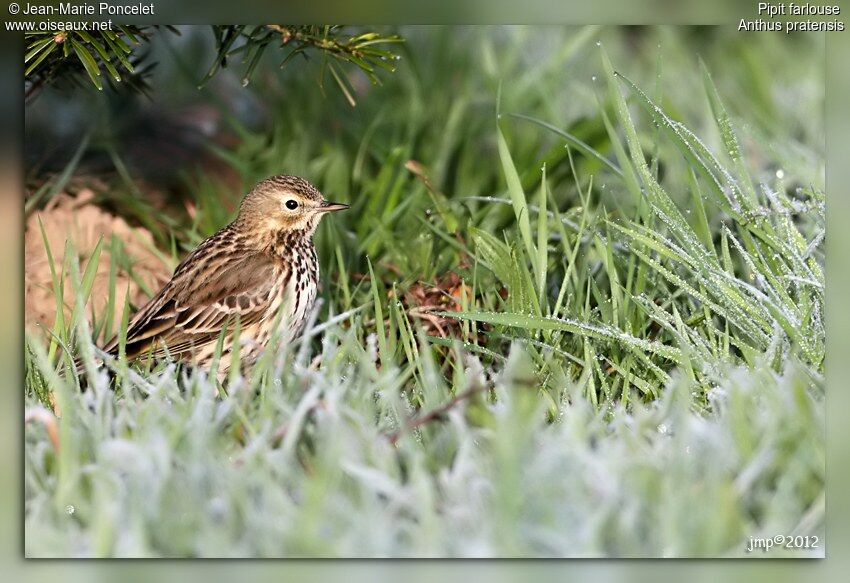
(260, 270)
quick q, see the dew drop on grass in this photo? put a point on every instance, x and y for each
(593, 78)
(599, 43)
(69, 509)
(780, 174)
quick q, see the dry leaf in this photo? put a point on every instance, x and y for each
(448, 294)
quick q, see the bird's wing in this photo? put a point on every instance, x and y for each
(206, 293)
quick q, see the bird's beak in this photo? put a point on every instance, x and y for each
(329, 207)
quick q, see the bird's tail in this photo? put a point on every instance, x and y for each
(79, 364)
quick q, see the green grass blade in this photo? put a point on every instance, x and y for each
(517, 195)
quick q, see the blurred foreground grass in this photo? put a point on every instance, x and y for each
(572, 312)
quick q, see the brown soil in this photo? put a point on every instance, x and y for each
(80, 222)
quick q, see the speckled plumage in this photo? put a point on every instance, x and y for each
(261, 270)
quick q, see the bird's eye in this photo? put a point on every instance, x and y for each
(291, 204)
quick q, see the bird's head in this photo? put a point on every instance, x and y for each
(285, 203)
